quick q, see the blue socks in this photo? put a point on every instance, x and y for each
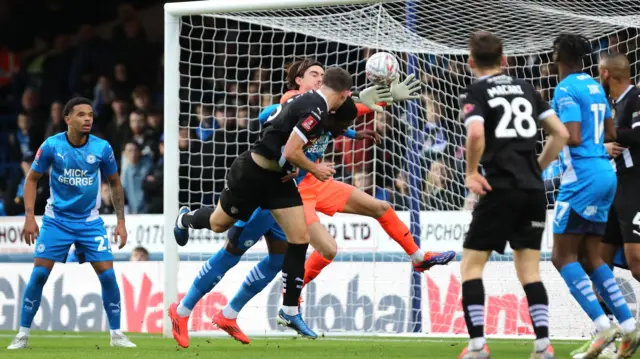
(210, 274)
(580, 287)
(33, 295)
(257, 279)
(110, 297)
(609, 291)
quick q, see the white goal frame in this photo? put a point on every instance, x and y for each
(172, 14)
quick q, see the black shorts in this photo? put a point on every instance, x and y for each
(515, 216)
(250, 186)
(622, 215)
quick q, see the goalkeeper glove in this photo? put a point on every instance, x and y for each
(372, 95)
(401, 91)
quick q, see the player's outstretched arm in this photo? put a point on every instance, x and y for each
(294, 154)
(557, 138)
(372, 98)
(117, 198)
(31, 230)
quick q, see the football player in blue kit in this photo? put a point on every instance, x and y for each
(78, 162)
(587, 190)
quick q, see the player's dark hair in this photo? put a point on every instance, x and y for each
(485, 49)
(570, 49)
(297, 69)
(68, 108)
(337, 79)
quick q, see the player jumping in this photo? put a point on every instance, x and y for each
(328, 197)
(255, 180)
(621, 244)
(587, 190)
(77, 161)
(501, 114)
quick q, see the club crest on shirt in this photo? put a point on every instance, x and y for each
(91, 159)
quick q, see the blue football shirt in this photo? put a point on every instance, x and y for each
(76, 173)
(579, 98)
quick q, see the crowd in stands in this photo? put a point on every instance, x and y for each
(226, 80)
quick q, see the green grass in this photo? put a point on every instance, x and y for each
(96, 345)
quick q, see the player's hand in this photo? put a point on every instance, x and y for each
(477, 183)
(30, 232)
(290, 176)
(369, 135)
(614, 149)
(401, 91)
(323, 171)
(121, 232)
(374, 94)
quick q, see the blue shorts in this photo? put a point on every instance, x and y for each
(583, 207)
(57, 236)
(243, 235)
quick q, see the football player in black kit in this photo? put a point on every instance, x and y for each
(502, 114)
(261, 178)
(623, 225)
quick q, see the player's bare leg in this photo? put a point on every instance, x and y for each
(226, 319)
(527, 263)
(292, 221)
(31, 301)
(325, 250)
(111, 302)
(363, 204)
(471, 269)
(564, 257)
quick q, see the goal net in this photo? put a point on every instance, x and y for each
(224, 64)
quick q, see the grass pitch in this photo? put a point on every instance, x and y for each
(96, 345)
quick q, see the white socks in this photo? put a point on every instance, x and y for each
(290, 310)
(24, 330)
(540, 345)
(417, 257)
(476, 344)
(183, 311)
(229, 313)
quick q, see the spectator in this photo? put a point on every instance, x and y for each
(56, 122)
(139, 168)
(106, 206)
(140, 133)
(153, 183)
(122, 87)
(141, 97)
(25, 139)
(13, 199)
(437, 194)
(116, 125)
(139, 254)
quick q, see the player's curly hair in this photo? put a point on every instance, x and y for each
(570, 49)
(297, 69)
(69, 106)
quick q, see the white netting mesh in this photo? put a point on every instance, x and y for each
(232, 66)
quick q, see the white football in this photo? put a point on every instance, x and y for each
(382, 68)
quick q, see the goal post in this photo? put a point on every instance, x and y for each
(172, 14)
(224, 63)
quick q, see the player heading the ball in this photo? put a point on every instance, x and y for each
(77, 161)
(257, 179)
(501, 114)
